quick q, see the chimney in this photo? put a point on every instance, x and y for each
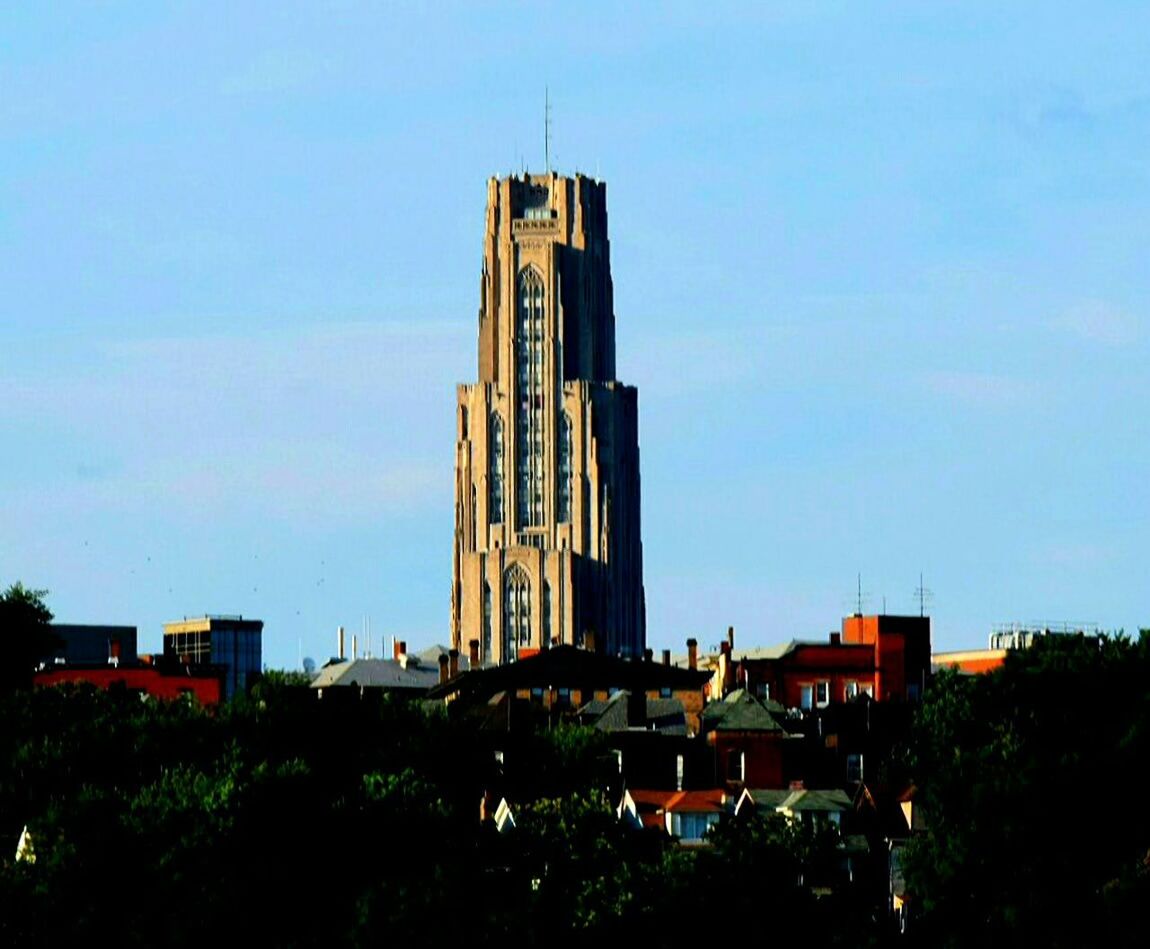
(836, 638)
(443, 671)
(452, 663)
(730, 638)
(394, 648)
(402, 648)
(473, 653)
(692, 653)
(666, 657)
(339, 642)
(648, 655)
(726, 667)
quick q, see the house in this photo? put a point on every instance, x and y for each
(817, 807)
(563, 679)
(406, 675)
(747, 740)
(884, 657)
(684, 815)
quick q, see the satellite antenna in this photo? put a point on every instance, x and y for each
(923, 595)
(547, 128)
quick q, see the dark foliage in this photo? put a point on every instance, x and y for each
(1030, 781)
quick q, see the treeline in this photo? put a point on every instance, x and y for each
(290, 821)
(1032, 785)
(286, 820)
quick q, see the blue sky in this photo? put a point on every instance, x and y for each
(880, 269)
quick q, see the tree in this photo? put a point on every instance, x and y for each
(1022, 776)
(26, 633)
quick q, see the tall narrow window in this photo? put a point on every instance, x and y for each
(495, 468)
(516, 612)
(529, 335)
(546, 614)
(564, 467)
(486, 657)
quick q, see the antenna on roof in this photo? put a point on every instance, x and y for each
(861, 597)
(547, 128)
(923, 594)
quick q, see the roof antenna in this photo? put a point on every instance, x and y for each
(923, 593)
(547, 128)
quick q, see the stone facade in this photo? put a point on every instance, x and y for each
(547, 546)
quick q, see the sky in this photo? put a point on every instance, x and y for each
(880, 278)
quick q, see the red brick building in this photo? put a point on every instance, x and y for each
(885, 657)
(206, 686)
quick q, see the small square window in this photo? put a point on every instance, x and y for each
(822, 693)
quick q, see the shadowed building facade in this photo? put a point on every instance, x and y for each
(547, 546)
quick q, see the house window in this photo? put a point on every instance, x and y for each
(563, 698)
(866, 688)
(692, 828)
(736, 765)
(537, 695)
(665, 692)
(854, 768)
(851, 690)
(822, 693)
(806, 696)
(763, 691)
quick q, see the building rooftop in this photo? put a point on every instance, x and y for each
(378, 674)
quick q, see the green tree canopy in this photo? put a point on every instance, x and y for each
(26, 633)
(1030, 784)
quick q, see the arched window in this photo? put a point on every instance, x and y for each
(495, 469)
(530, 321)
(516, 612)
(546, 637)
(486, 657)
(564, 467)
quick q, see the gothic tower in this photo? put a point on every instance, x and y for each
(547, 547)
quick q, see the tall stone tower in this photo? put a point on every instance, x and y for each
(547, 547)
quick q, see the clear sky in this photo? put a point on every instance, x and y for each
(882, 275)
